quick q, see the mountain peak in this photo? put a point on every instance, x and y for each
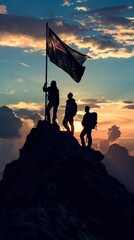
(59, 190)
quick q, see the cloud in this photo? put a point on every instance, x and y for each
(9, 148)
(116, 22)
(111, 34)
(96, 43)
(113, 133)
(82, 8)
(131, 106)
(20, 80)
(110, 11)
(112, 31)
(28, 106)
(32, 111)
(3, 9)
(128, 144)
(120, 165)
(81, 107)
(80, 1)
(8, 92)
(24, 64)
(67, 3)
(128, 102)
(10, 124)
(132, 153)
(29, 33)
(23, 113)
(104, 145)
(36, 117)
(128, 105)
(23, 32)
(93, 103)
(13, 133)
(114, 10)
(22, 25)
(109, 113)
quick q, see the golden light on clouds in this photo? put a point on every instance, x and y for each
(109, 114)
(78, 126)
(35, 40)
(29, 106)
(118, 53)
(59, 23)
(21, 41)
(104, 36)
(82, 8)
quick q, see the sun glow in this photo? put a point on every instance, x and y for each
(77, 126)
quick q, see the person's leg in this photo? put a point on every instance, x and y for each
(48, 108)
(65, 124)
(82, 134)
(55, 108)
(89, 138)
(71, 122)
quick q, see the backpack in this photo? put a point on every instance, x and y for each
(93, 119)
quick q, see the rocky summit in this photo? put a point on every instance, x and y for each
(58, 190)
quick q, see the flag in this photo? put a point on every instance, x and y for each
(65, 57)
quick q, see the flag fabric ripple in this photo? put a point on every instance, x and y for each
(65, 57)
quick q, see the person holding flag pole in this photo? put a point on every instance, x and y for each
(53, 100)
(51, 93)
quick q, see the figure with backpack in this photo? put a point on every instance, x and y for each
(89, 122)
(70, 112)
(53, 100)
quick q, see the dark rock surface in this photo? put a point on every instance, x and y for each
(57, 190)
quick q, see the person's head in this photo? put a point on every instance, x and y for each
(53, 83)
(87, 108)
(70, 95)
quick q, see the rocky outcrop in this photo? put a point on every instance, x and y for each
(58, 190)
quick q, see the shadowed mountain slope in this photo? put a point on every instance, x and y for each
(57, 190)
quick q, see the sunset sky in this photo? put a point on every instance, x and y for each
(102, 29)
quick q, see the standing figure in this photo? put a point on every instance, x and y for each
(70, 112)
(53, 100)
(87, 128)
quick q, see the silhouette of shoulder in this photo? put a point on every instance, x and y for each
(86, 119)
(71, 107)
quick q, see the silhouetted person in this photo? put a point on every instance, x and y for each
(70, 112)
(87, 128)
(53, 100)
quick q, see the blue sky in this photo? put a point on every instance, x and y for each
(102, 29)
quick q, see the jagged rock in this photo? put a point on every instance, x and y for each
(58, 190)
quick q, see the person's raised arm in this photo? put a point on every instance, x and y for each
(45, 88)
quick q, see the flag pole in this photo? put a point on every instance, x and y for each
(46, 67)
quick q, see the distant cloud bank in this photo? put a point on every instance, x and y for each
(10, 124)
(120, 165)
